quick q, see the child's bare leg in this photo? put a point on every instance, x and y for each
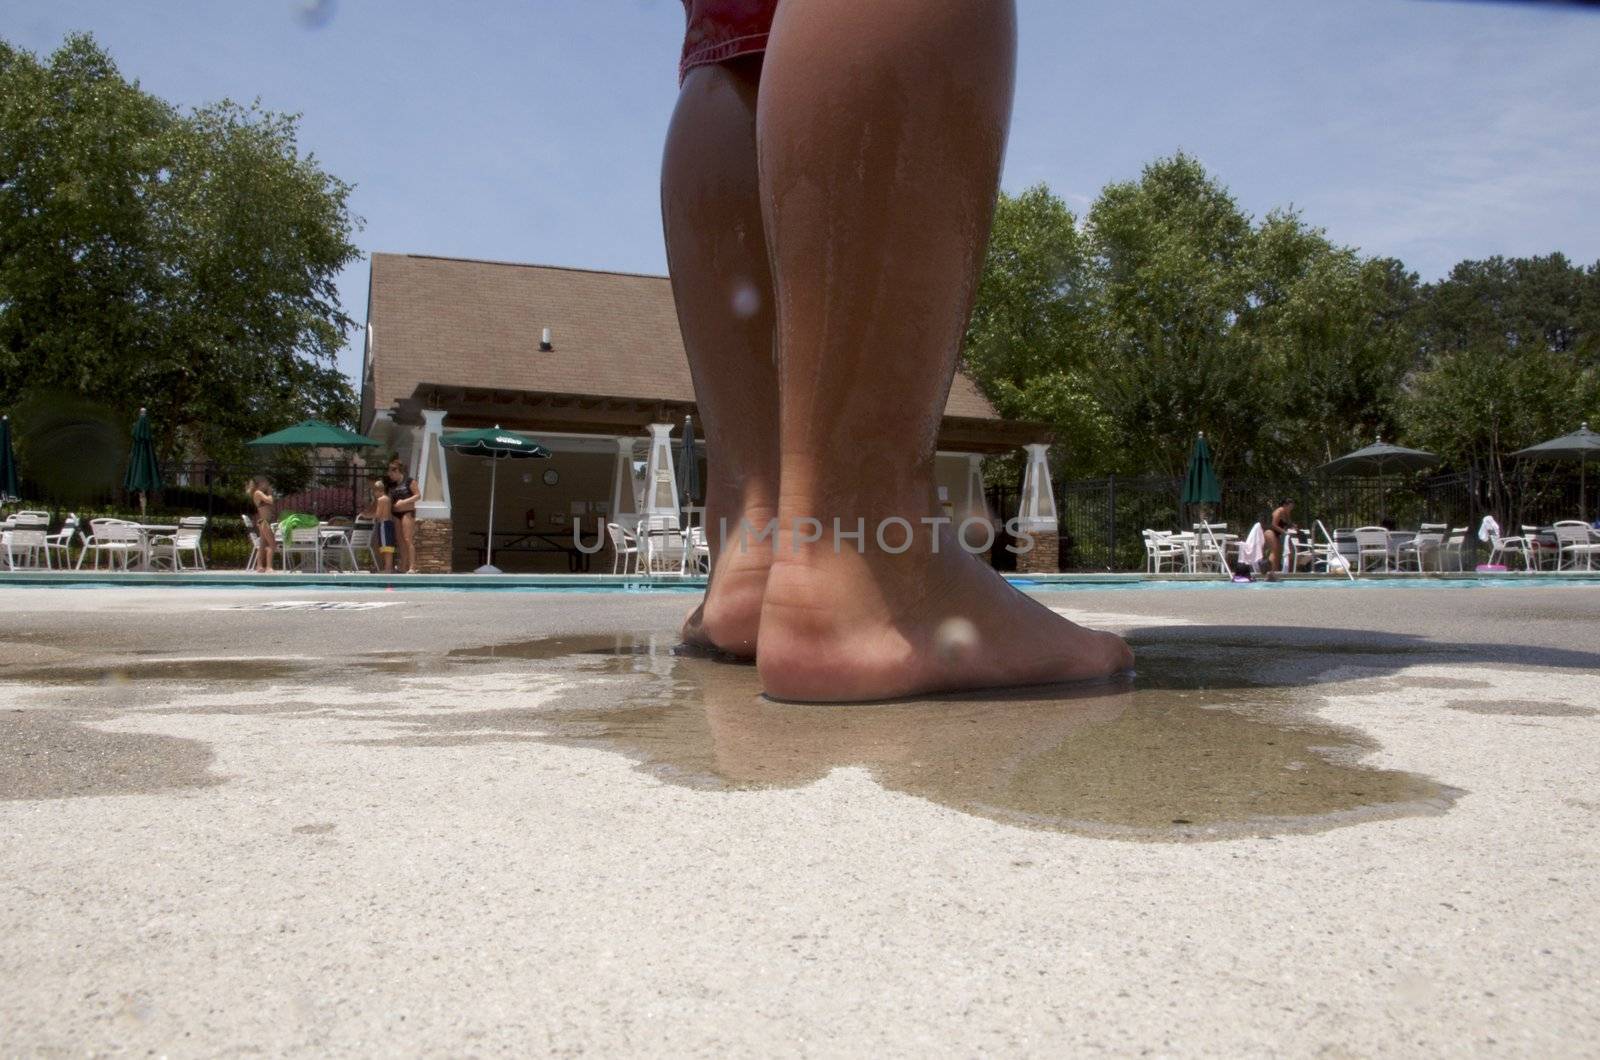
(881, 128)
(711, 211)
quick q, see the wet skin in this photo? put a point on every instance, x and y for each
(874, 187)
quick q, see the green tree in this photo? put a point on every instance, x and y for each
(1172, 262)
(182, 261)
(1031, 343)
(1511, 356)
(1336, 328)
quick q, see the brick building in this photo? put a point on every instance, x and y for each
(592, 364)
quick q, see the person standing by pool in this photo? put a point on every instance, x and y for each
(266, 508)
(403, 498)
(383, 527)
(1276, 529)
(827, 189)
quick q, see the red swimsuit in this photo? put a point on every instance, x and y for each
(720, 30)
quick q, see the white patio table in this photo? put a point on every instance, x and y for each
(146, 532)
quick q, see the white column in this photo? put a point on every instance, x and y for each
(660, 477)
(624, 509)
(430, 469)
(977, 503)
(1037, 512)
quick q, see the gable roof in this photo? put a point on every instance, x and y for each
(463, 323)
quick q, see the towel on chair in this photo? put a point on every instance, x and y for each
(1253, 551)
(1488, 530)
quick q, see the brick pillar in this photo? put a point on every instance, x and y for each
(1044, 557)
(435, 546)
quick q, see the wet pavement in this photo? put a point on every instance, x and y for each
(473, 773)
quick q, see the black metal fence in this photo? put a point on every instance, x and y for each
(319, 488)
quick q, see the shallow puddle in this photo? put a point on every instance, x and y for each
(203, 670)
(1189, 750)
(46, 754)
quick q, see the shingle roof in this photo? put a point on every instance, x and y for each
(458, 322)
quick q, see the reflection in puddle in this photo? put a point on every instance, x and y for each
(1163, 758)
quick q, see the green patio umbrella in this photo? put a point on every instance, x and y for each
(144, 475)
(1200, 485)
(9, 488)
(1580, 445)
(314, 434)
(497, 445)
(1378, 459)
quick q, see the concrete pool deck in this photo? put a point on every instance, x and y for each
(345, 822)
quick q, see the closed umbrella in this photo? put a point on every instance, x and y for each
(1580, 445)
(1200, 485)
(10, 489)
(144, 475)
(1379, 459)
(497, 445)
(690, 465)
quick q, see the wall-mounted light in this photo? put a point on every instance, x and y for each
(545, 342)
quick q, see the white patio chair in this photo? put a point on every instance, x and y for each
(663, 547)
(1159, 548)
(1543, 551)
(624, 549)
(1372, 544)
(1208, 550)
(27, 543)
(1453, 548)
(1500, 547)
(117, 541)
(1428, 542)
(170, 548)
(62, 540)
(1303, 552)
(699, 557)
(1574, 542)
(359, 540)
(304, 542)
(255, 543)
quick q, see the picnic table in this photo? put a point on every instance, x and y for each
(532, 541)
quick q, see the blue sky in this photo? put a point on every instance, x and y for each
(530, 130)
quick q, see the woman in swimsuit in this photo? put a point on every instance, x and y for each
(403, 498)
(266, 514)
(1275, 528)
